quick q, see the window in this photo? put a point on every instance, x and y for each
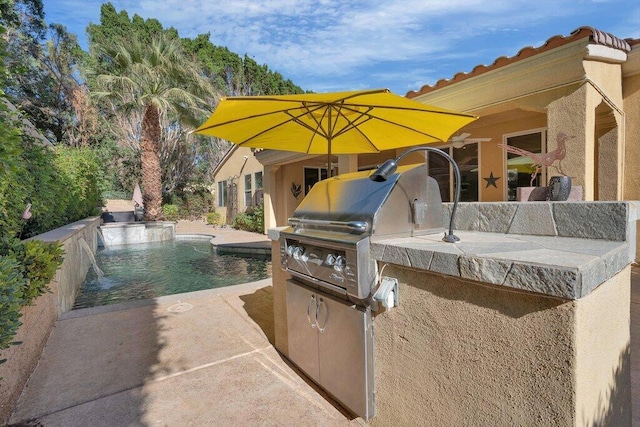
(258, 179)
(520, 167)
(313, 175)
(222, 193)
(258, 196)
(467, 160)
(247, 190)
(441, 170)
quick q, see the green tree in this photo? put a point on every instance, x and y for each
(42, 78)
(234, 75)
(49, 90)
(158, 81)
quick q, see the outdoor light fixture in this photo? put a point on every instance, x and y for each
(390, 166)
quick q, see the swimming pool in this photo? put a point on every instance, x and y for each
(151, 270)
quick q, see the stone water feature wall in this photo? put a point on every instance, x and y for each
(127, 233)
(38, 319)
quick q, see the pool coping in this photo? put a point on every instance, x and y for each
(248, 248)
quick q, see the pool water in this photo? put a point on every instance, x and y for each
(165, 268)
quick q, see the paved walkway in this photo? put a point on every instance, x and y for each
(221, 235)
(203, 358)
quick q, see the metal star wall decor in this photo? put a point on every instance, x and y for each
(491, 180)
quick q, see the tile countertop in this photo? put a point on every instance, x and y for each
(563, 267)
(561, 249)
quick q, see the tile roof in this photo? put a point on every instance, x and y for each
(595, 36)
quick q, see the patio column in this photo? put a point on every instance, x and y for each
(569, 115)
(347, 163)
(593, 114)
(270, 194)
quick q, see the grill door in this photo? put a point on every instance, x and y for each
(346, 354)
(332, 342)
(301, 329)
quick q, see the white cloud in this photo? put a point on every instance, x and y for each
(330, 42)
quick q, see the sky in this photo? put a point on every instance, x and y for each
(338, 45)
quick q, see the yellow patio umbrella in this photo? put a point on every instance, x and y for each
(367, 121)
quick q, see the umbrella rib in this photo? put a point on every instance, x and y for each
(284, 110)
(369, 116)
(352, 124)
(294, 118)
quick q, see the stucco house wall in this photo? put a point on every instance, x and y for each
(631, 104)
(237, 163)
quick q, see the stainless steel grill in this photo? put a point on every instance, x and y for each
(328, 242)
(326, 250)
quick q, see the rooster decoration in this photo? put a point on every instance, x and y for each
(543, 159)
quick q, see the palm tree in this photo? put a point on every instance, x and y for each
(159, 82)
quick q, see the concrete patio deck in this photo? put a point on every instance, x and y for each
(203, 358)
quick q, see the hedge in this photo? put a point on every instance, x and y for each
(60, 186)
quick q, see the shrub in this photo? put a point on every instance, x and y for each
(171, 212)
(252, 220)
(121, 169)
(12, 282)
(38, 261)
(192, 204)
(61, 185)
(258, 215)
(81, 169)
(26, 268)
(214, 218)
(243, 221)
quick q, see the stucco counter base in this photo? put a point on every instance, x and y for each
(504, 330)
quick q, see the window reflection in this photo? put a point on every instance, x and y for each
(313, 175)
(520, 168)
(467, 160)
(441, 170)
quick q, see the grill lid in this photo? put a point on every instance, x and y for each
(408, 203)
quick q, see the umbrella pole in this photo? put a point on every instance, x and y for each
(329, 161)
(330, 133)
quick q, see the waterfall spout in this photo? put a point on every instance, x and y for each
(85, 246)
(100, 236)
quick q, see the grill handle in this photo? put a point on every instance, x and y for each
(321, 303)
(354, 227)
(312, 302)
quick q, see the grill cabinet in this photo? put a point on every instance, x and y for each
(326, 250)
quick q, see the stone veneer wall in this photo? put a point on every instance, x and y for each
(614, 221)
(38, 319)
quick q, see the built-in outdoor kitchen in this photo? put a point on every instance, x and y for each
(520, 318)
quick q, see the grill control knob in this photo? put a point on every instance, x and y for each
(290, 250)
(331, 259)
(340, 263)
